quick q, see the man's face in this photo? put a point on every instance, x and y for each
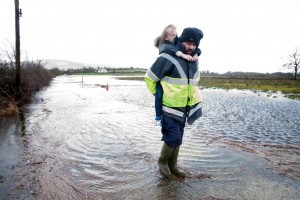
(189, 47)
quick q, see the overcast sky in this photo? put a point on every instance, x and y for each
(239, 35)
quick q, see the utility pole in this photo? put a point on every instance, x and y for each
(18, 14)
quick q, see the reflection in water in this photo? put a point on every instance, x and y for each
(11, 149)
(22, 122)
(99, 144)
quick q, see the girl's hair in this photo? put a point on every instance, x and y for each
(159, 40)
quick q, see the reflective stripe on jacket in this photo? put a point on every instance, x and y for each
(180, 80)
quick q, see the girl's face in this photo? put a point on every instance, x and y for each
(171, 35)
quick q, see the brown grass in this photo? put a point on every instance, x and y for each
(10, 110)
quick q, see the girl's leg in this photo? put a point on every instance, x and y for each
(158, 101)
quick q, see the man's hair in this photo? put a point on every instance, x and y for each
(160, 39)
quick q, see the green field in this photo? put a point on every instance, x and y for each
(263, 84)
(290, 88)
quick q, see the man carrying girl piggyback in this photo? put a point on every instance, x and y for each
(166, 43)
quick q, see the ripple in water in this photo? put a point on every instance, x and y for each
(103, 144)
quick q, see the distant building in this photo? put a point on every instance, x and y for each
(102, 70)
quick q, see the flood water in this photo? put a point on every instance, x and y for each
(87, 142)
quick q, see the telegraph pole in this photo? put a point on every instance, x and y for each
(18, 14)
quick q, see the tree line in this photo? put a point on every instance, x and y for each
(95, 70)
(229, 74)
(292, 66)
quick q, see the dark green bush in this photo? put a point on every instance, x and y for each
(33, 77)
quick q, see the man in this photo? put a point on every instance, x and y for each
(181, 98)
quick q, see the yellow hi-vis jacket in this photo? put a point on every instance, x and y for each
(180, 80)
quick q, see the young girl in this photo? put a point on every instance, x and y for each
(166, 43)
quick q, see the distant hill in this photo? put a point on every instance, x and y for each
(65, 64)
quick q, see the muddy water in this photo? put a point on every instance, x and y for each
(91, 143)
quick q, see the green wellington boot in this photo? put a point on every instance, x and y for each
(173, 163)
(165, 154)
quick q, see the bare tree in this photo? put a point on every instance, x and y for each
(293, 62)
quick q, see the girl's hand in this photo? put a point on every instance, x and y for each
(195, 58)
(187, 57)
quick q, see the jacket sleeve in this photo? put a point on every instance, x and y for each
(151, 81)
(160, 68)
(197, 51)
(168, 48)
